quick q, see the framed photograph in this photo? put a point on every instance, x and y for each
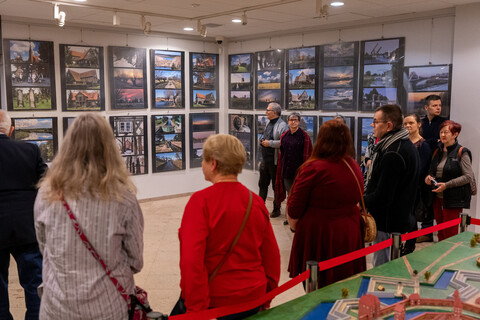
(82, 74)
(303, 99)
(269, 80)
(168, 143)
(338, 76)
(260, 123)
(131, 136)
(301, 78)
(40, 131)
(381, 73)
(416, 102)
(128, 75)
(364, 130)
(429, 78)
(241, 126)
(67, 122)
(302, 68)
(204, 80)
(168, 79)
(202, 125)
(302, 58)
(29, 75)
(240, 81)
(350, 122)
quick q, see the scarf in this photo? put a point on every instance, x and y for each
(382, 145)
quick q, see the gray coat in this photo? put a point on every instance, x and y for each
(278, 129)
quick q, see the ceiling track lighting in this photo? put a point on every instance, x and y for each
(146, 25)
(244, 19)
(58, 15)
(321, 10)
(116, 19)
(202, 29)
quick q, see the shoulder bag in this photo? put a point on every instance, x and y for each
(368, 222)
(180, 307)
(138, 305)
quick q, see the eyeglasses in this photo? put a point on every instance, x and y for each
(293, 120)
(375, 122)
(269, 110)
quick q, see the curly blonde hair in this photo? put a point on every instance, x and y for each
(88, 161)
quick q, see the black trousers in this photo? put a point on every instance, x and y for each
(268, 172)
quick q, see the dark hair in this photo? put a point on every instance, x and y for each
(417, 119)
(432, 97)
(334, 142)
(452, 126)
(393, 113)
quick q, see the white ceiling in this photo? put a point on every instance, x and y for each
(170, 16)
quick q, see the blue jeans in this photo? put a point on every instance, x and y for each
(382, 256)
(29, 266)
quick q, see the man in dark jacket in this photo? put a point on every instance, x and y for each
(21, 167)
(393, 178)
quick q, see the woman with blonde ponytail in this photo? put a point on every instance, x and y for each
(89, 174)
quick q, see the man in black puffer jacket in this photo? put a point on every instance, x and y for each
(393, 178)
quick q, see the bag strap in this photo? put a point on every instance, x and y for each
(249, 208)
(358, 184)
(460, 153)
(94, 253)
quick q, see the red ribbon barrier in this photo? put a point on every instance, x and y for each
(475, 221)
(223, 311)
(431, 229)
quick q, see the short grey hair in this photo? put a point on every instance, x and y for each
(294, 114)
(276, 108)
(5, 122)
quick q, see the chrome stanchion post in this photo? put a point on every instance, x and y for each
(464, 221)
(312, 281)
(395, 249)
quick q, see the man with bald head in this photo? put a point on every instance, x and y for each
(21, 167)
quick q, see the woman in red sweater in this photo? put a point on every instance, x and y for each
(211, 221)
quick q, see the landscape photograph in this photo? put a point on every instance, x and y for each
(40, 131)
(429, 78)
(241, 62)
(204, 99)
(309, 125)
(30, 51)
(169, 161)
(30, 75)
(31, 98)
(270, 79)
(128, 78)
(301, 58)
(167, 124)
(301, 99)
(83, 100)
(366, 127)
(128, 57)
(301, 78)
(204, 61)
(168, 60)
(376, 97)
(129, 98)
(240, 100)
(168, 98)
(338, 77)
(270, 60)
(267, 96)
(381, 51)
(172, 142)
(240, 81)
(337, 99)
(416, 102)
(379, 75)
(339, 54)
(82, 78)
(167, 79)
(82, 56)
(204, 80)
(204, 122)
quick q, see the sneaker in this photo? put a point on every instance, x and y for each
(275, 213)
(425, 238)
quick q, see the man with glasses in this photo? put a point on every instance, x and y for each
(269, 146)
(392, 179)
(295, 149)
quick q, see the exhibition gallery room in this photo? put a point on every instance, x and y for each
(168, 74)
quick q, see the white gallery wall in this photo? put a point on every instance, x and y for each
(440, 39)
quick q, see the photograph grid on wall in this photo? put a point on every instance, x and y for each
(168, 143)
(302, 74)
(240, 81)
(167, 79)
(269, 79)
(241, 126)
(204, 80)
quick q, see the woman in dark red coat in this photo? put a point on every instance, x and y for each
(322, 206)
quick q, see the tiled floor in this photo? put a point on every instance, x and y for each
(160, 274)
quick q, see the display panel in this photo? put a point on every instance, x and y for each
(241, 126)
(302, 78)
(39, 131)
(240, 81)
(260, 123)
(202, 125)
(269, 81)
(29, 75)
(203, 80)
(128, 77)
(131, 137)
(168, 143)
(82, 74)
(168, 79)
(365, 130)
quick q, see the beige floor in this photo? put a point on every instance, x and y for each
(160, 274)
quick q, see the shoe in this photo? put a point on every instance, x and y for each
(426, 238)
(275, 213)
(285, 223)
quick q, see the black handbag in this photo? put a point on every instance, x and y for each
(180, 307)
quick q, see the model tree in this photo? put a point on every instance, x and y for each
(427, 275)
(344, 293)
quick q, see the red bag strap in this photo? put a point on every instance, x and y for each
(244, 222)
(358, 184)
(94, 253)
